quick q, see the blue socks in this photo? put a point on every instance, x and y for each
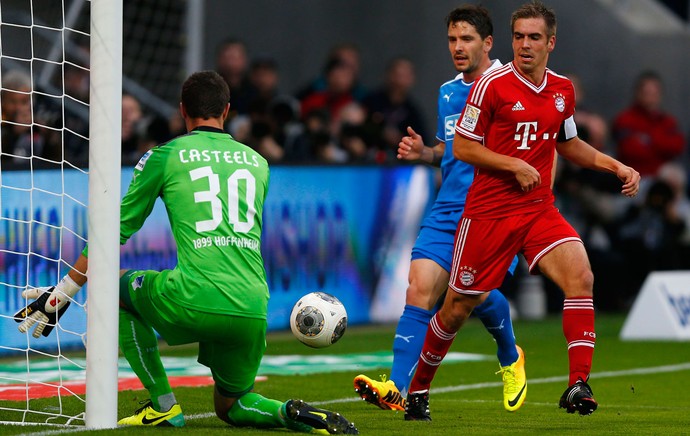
(495, 315)
(411, 331)
(408, 342)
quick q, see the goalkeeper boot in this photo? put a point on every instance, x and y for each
(514, 383)
(417, 407)
(578, 397)
(318, 419)
(383, 394)
(147, 415)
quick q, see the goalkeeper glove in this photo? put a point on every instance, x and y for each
(49, 305)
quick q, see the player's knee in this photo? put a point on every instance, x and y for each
(580, 284)
(457, 309)
(222, 405)
(419, 296)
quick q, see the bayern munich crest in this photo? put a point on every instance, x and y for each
(559, 100)
(467, 275)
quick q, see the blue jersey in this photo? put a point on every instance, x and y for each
(456, 175)
(437, 233)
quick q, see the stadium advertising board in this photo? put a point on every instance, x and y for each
(330, 229)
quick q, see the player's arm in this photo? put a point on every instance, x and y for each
(476, 154)
(144, 189)
(412, 148)
(581, 153)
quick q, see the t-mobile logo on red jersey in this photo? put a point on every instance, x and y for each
(526, 132)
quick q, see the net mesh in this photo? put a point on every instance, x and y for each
(44, 76)
(44, 80)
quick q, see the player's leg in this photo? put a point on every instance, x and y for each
(494, 313)
(139, 345)
(439, 337)
(428, 279)
(234, 401)
(479, 265)
(564, 260)
(226, 338)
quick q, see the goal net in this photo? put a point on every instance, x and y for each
(59, 152)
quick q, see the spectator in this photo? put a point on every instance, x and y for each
(648, 239)
(591, 126)
(353, 133)
(340, 79)
(263, 88)
(20, 141)
(646, 136)
(283, 115)
(675, 176)
(347, 53)
(132, 117)
(263, 78)
(232, 63)
(261, 139)
(391, 108)
(157, 130)
(76, 82)
(316, 143)
(75, 109)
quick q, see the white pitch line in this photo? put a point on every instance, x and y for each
(604, 374)
(543, 380)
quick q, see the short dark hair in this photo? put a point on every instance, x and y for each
(205, 95)
(477, 16)
(535, 9)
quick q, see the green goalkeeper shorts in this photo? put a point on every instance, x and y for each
(231, 346)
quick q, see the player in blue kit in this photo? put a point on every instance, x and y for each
(469, 40)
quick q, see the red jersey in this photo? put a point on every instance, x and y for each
(512, 116)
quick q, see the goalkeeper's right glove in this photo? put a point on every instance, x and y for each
(49, 305)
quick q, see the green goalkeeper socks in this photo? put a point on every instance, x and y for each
(139, 344)
(254, 410)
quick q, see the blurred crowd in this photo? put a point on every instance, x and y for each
(331, 119)
(335, 119)
(628, 238)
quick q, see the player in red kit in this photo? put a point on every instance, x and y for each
(515, 119)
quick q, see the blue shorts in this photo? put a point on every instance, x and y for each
(436, 238)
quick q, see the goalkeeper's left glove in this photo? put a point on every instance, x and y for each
(49, 305)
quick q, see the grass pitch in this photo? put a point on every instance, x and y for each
(640, 388)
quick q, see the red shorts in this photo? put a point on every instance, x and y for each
(484, 248)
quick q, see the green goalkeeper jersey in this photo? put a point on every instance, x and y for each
(213, 188)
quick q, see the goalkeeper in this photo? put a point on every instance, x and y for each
(213, 188)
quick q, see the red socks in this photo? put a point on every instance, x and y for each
(578, 328)
(436, 344)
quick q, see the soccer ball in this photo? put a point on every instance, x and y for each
(318, 320)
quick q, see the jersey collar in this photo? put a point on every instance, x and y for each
(208, 129)
(524, 80)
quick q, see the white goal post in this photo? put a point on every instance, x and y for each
(61, 91)
(104, 213)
